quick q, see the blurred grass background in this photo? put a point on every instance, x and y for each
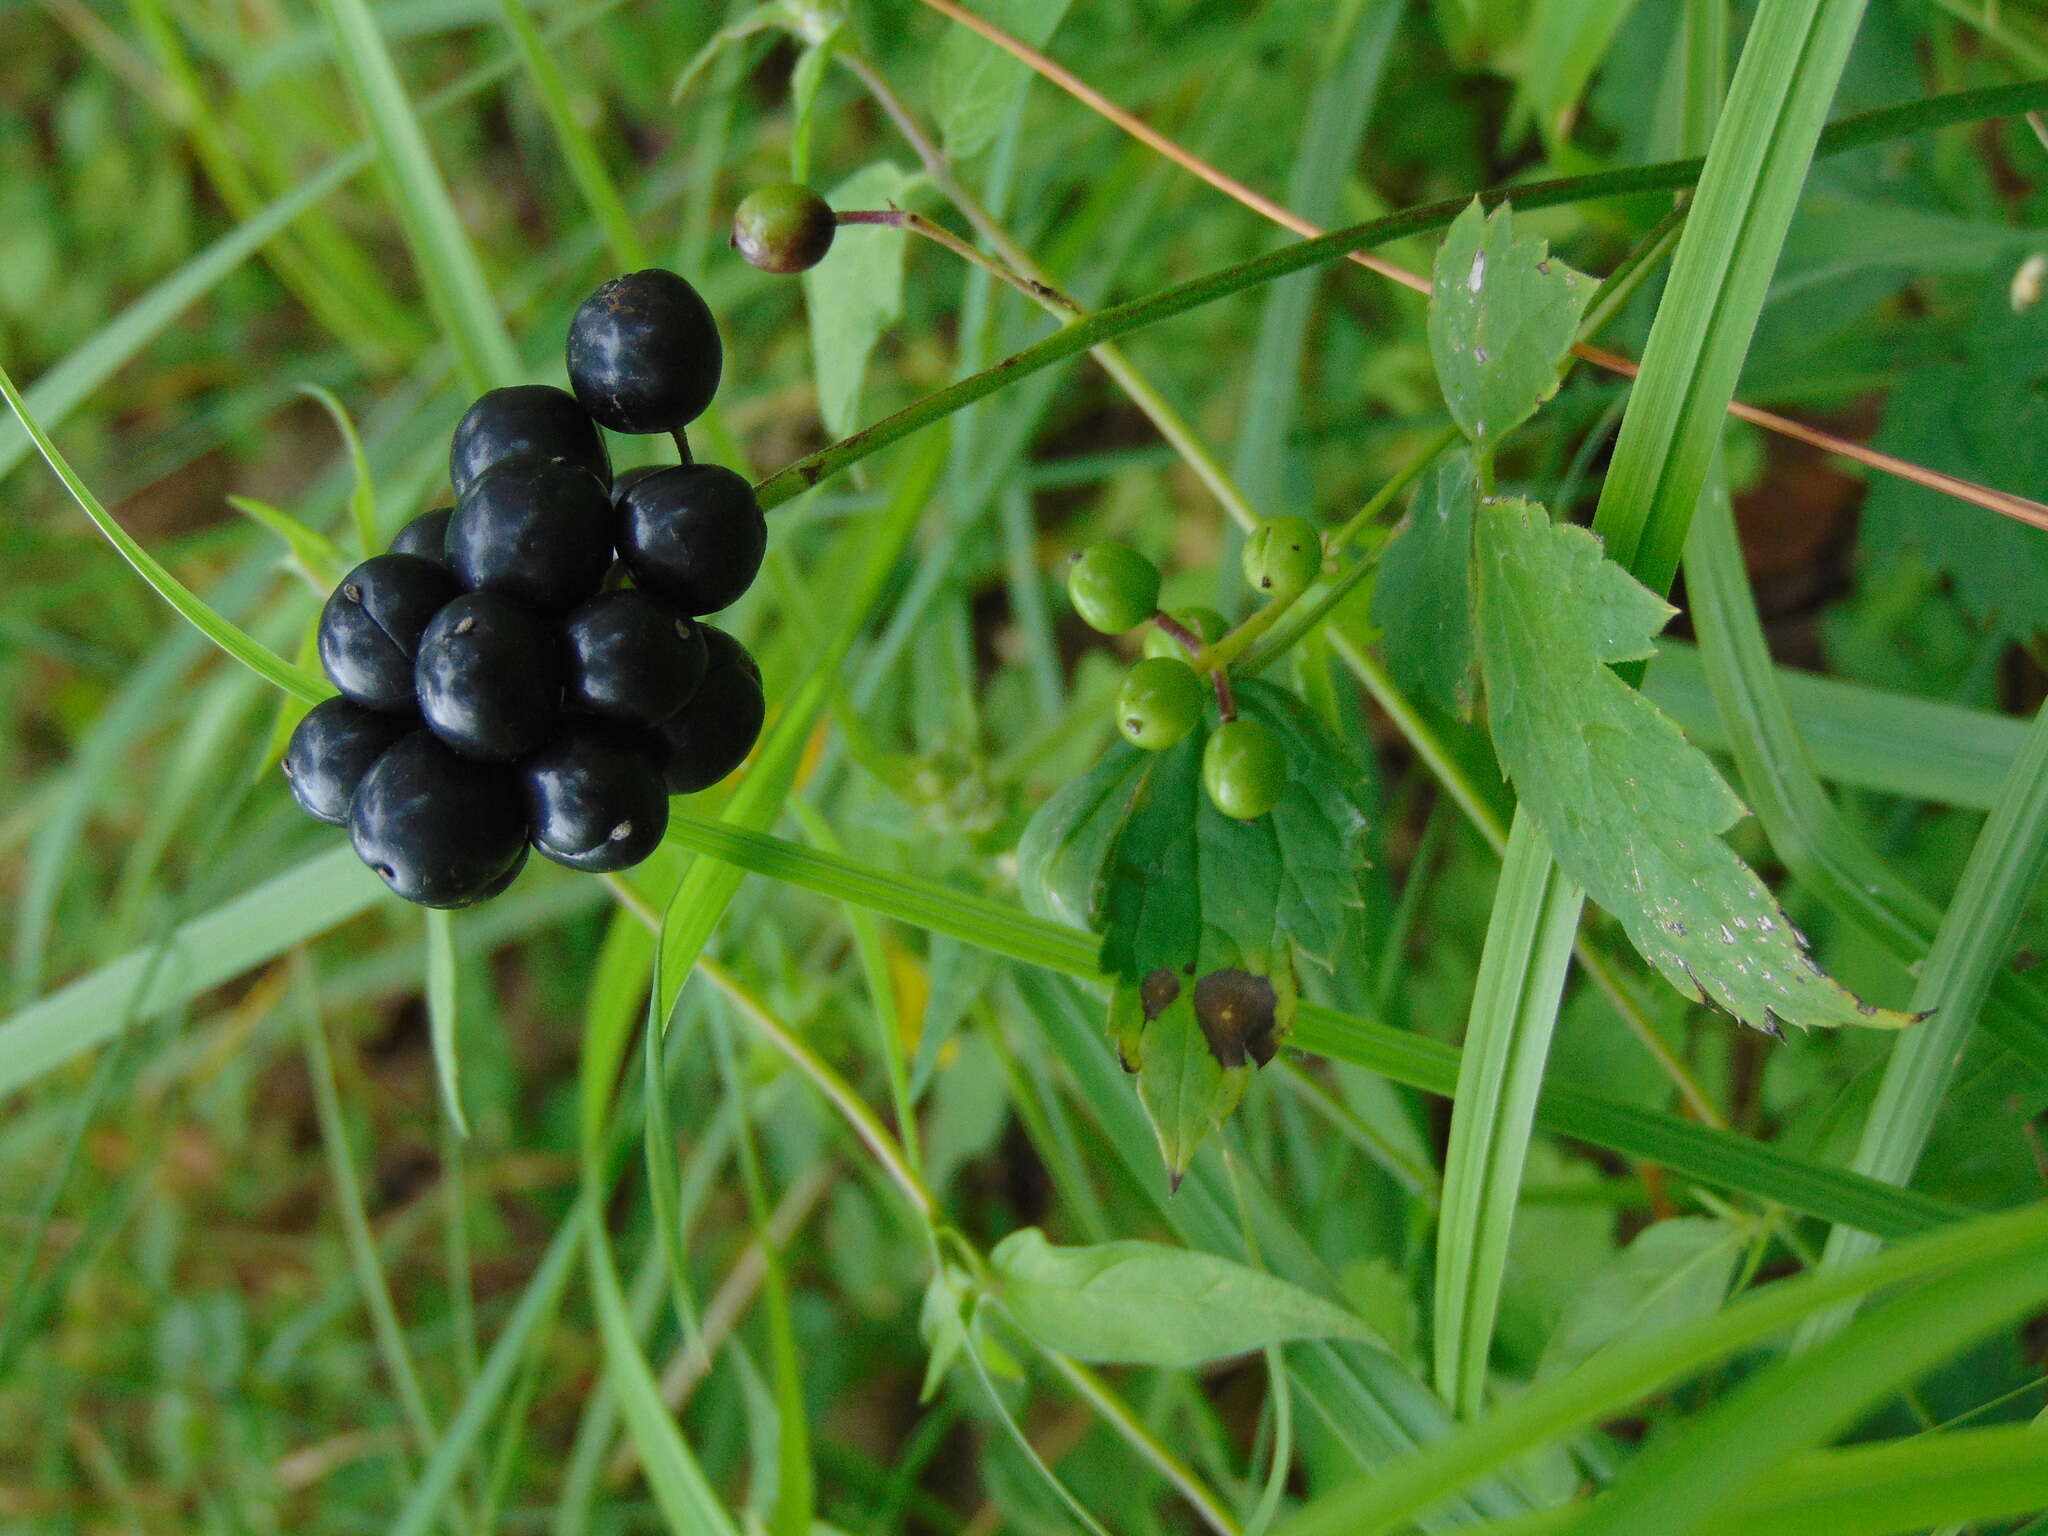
(188, 1349)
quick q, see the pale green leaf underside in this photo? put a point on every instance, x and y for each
(1148, 1304)
(1422, 596)
(1675, 1273)
(855, 294)
(1502, 316)
(1632, 810)
(974, 82)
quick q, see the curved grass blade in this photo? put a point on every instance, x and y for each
(442, 1020)
(250, 652)
(362, 500)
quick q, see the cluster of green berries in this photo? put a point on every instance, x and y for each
(527, 668)
(1115, 589)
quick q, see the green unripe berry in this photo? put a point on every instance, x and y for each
(1113, 587)
(1206, 624)
(1244, 769)
(1159, 703)
(1283, 556)
(784, 228)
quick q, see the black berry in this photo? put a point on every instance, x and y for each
(536, 531)
(644, 354)
(716, 729)
(438, 828)
(371, 627)
(783, 228)
(626, 479)
(693, 535)
(425, 536)
(631, 658)
(525, 421)
(595, 798)
(330, 752)
(488, 678)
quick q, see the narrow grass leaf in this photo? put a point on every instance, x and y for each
(443, 1023)
(362, 497)
(318, 556)
(251, 653)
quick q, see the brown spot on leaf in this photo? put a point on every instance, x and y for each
(1236, 1011)
(1157, 992)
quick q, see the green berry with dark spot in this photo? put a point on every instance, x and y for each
(1283, 557)
(1159, 703)
(1205, 624)
(785, 228)
(1113, 587)
(1244, 769)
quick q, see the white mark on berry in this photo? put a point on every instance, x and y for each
(622, 831)
(352, 592)
(465, 624)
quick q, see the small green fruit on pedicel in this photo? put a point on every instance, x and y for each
(644, 353)
(1113, 587)
(631, 658)
(535, 530)
(786, 228)
(333, 747)
(1159, 703)
(595, 797)
(1244, 768)
(693, 536)
(487, 678)
(714, 732)
(1282, 557)
(436, 827)
(525, 421)
(371, 626)
(1205, 624)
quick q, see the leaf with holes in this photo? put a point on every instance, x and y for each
(1502, 315)
(1202, 918)
(1633, 811)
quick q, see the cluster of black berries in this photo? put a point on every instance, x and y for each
(527, 666)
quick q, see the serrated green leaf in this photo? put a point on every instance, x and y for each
(1065, 848)
(1674, 1274)
(1632, 810)
(1149, 1304)
(1983, 416)
(1187, 1092)
(1503, 314)
(1422, 596)
(974, 82)
(855, 294)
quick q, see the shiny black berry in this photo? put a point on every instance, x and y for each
(595, 798)
(440, 829)
(525, 421)
(644, 354)
(693, 535)
(626, 479)
(488, 678)
(631, 658)
(716, 729)
(783, 228)
(330, 752)
(425, 536)
(536, 531)
(371, 627)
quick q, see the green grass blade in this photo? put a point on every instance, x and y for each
(1895, 743)
(250, 652)
(1629, 1371)
(443, 1024)
(319, 556)
(579, 150)
(362, 500)
(441, 251)
(1507, 1041)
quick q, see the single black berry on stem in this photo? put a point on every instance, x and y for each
(595, 797)
(330, 752)
(717, 729)
(693, 535)
(426, 536)
(644, 353)
(536, 531)
(525, 421)
(631, 658)
(371, 627)
(438, 828)
(785, 228)
(488, 678)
